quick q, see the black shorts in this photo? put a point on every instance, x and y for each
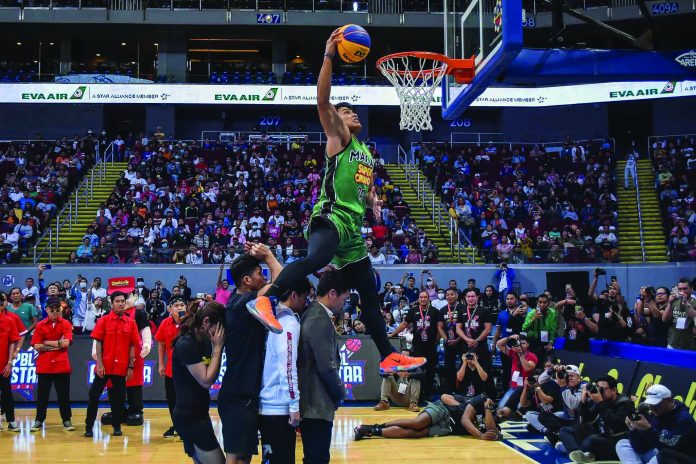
(195, 432)
(240, 425)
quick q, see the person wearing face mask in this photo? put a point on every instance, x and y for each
(447, 328)
(430, 286)
(401, 310)
(439, 301)
(79, 295)
(51, 340)
(166, 333)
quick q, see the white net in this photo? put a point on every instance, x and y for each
(415, 80)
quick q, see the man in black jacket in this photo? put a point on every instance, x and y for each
(604, 423)
(318, 366)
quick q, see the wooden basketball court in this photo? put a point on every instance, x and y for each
(146, 445)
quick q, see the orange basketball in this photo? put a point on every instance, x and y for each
(354, 44)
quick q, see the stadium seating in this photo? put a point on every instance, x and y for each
(674, 164)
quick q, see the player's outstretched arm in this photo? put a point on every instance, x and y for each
(336, 131)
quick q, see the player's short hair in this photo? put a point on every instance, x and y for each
(340, 105)
(243, 266)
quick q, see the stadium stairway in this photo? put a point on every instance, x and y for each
(71, 239)
(629, 225)
(423, 218)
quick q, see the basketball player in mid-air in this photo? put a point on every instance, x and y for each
(334, 229)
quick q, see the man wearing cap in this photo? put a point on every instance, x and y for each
(116, 341)
(51, 340)
(670, 426)
(166, 333)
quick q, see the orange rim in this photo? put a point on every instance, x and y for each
(463, 70)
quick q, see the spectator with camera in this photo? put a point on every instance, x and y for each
(472, 379)
(572, 394)
(402, 389)
(604, 411)
(652, 306)
(425, 320)
(579, 323)
(612, 316)
(509, 322)
(668, 427)
(540, 325)
(542, 393)
(473, 326)
(680, 314)
(447, 328)
(523, 364)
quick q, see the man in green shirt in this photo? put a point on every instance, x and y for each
(540, 324)
(26, 312)
(680, 315)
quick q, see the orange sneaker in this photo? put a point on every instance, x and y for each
(397, 362)
(262, 309)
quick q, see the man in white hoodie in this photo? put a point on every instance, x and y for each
(279, 409)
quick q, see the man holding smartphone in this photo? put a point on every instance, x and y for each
(680, 314)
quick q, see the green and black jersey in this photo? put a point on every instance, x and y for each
(344, 190)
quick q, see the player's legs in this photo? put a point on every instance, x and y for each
(402, 428)
(361, 277)
(323, 243)
(208, 457)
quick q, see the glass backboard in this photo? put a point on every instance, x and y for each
(490, 30)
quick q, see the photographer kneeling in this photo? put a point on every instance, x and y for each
(523, 364)
(669, 426)
(542, 394)
(568, 377)
(604, 413)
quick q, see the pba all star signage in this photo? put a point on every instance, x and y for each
(23, 376)
(49, 93)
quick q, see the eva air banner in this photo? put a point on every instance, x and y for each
(306, 95)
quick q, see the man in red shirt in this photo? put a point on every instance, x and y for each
(9, 342)
(51, 340)
(523, 363)
(117, 339)
(166, 333)
(134, 386)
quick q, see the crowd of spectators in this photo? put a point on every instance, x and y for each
(469, 328)
(199, 203)
(36, 179)
(674, 163)
(529, 203)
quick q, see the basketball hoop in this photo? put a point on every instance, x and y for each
(415, 76)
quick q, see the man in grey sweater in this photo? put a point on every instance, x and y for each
(318, 368)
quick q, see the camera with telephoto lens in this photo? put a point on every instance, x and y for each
(469, 356)
(643, 410)
(600, 271)
(594, 388)
(532, 380)
(512, 342)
